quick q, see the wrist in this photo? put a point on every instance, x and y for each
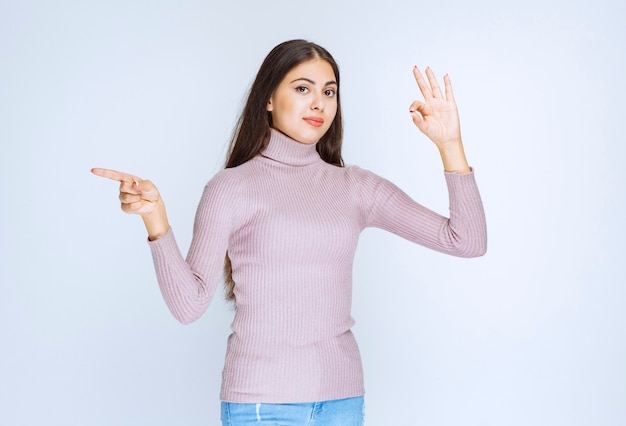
(156, 221)
(453, 157)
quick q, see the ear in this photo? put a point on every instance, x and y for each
(269, 107)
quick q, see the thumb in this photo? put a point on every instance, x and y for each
(147, 190)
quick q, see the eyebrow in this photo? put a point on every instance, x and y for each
(328, 83)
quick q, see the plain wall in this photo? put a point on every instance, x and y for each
(530, 334)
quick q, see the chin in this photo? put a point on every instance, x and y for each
(308, 141)
(304, 138)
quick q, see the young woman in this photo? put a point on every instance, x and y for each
(286, 215)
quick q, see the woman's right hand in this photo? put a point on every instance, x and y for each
(138, 196)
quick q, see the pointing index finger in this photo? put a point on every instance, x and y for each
(115, 175)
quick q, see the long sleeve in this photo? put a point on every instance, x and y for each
(463, 234)
(291, 224)
(188, 285)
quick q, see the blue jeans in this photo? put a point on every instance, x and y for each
(344, 412)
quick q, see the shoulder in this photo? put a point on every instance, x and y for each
(372, 188)
(363, 177)
(231, 178)
(222, 197)
(223, 187)
(224, 177)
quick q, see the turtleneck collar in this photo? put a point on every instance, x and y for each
(285, 150)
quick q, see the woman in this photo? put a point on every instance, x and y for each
(287, 214)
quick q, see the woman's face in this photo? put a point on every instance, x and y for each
(304, 104)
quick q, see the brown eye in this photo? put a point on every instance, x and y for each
(330, 92)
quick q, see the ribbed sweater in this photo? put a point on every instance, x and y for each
(290, 223)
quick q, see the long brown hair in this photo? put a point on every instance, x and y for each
(252, 131)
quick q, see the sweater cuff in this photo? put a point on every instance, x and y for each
(460, 183)
(162, 246)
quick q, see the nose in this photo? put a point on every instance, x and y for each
(318, 103)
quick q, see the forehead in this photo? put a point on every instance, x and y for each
(317, 70)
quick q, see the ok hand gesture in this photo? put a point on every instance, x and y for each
(437, 117)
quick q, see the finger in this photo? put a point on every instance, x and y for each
(115, 175)
(433, 83)
(421, 83)
(126, 198)
(145, 188)
(448, 86)
(129, 187)
(137, 208)
(416, 110)
(415, 106)
(132, 208)
(148, 190)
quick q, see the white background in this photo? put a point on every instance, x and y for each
(531, 334)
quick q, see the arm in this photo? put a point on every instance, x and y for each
(187, 285)
(463, 234)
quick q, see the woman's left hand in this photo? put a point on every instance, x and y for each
(437, 117)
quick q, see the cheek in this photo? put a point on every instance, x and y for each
(333, 111)
(286, 107)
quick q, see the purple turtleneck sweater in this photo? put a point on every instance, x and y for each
(290, 223)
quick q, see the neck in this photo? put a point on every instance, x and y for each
(286, 150)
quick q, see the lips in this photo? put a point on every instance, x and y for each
(314, 121)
